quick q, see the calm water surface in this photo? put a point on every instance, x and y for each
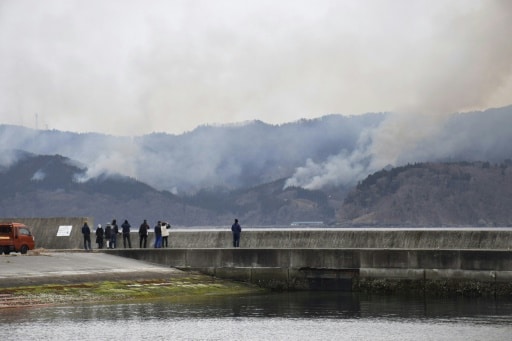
(283, 316)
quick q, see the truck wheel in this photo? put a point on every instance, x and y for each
(6, 250)
(24, 249)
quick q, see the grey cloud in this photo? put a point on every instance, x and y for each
(128, 68)
(132, 68)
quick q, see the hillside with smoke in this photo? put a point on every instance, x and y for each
(223, 157)
(467, 61)
(240, 156)
(200, 99)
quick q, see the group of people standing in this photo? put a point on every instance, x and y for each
(108, 236)
(161, 230)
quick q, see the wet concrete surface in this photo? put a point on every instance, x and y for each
(76, 267)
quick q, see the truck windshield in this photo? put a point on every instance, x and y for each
(24, 231)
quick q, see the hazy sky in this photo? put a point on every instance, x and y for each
(127, 67)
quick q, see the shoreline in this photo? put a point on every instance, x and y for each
(49, 278)
(190, 286)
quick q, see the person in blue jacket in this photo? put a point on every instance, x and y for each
(158, 235)
(237, 230)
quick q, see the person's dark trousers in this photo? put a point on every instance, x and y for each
(87, 243)
(125, 237)
(145, 239)
(113, 242)
(236, 240)
(165, 243)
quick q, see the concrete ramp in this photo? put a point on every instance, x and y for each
(76, 267)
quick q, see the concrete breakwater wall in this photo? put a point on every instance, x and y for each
(45, 231)
(437, 260)
(437, 272)
(397, 238)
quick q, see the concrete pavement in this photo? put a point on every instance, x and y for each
(76, 267)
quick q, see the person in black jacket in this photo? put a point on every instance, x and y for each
(143, 234)
(237, 230)
(99, 236)
(126, 234)
(108, 235)
(86, 231)
(113, 234)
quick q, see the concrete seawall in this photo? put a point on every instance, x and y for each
(396, 238)
(465, 261)
(434, 260)
(45, 231)
(438, 272)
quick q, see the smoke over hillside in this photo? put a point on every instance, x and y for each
(230, 157)
(209, 157)
(467, 61)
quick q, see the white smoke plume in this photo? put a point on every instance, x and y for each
(465, 62)
(38, 176)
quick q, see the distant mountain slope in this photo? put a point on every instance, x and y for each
(271, 204)
(48, 186)
(422, 194)
(335, 149)
(214, 173)
(433, 194)
(231, 156)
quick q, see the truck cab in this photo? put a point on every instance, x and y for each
(15, 237)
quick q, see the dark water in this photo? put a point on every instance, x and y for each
(286, 316)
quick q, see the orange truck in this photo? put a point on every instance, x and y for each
(15, 237)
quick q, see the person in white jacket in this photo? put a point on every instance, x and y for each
(165, 234)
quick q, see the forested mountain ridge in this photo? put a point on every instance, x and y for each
(421, 194)
(433, 194)
(456, 175)
(53, 186)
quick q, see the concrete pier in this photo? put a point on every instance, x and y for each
(382, 238)
(46, 230)
(468, 261)
(469, 272)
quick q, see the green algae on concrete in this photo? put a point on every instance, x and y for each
(192, 285)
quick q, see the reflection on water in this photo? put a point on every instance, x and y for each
(300, 316)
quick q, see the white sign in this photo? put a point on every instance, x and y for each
(64, 231)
